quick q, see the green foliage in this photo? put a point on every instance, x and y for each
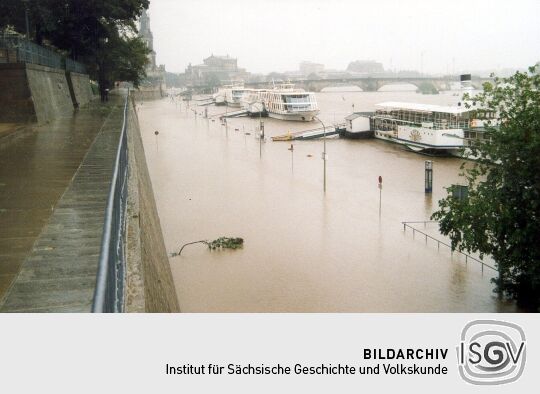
(226, 243)
(125, 59)
(212, 80)
(427, 88)
(220, 243)
(501, 216)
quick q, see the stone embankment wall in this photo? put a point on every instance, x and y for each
(149, 92)
(81, 90)
(150, 287)
(31, 93)
(15, 96)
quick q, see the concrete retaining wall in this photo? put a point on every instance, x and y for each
(50, 92)
(30, 93)
(82, 92)
(149, 92)
(16, 105)
(150, 287)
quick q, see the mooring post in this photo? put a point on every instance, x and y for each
(380, 197)
(428, 184)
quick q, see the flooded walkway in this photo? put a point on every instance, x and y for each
(53, 189)
(304, 251)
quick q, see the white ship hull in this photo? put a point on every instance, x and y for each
(298, 116)
(425, 140)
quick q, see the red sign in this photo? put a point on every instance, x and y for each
(380, 179)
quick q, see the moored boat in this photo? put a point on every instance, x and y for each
(426, 128)
(287, 103)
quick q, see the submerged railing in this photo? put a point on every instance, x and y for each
(439, 243)
(109, 292)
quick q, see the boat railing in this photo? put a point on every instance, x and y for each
(439, 243)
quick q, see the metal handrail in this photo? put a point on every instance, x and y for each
(439, 243)
(109, 291)
(30, 52)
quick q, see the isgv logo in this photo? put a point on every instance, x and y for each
(491, 352)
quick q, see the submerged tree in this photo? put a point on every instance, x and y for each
(501, 216)
(219, 243)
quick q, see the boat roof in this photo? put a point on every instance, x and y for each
(424, 107)
(357, 115)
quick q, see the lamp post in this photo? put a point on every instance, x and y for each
(292, 157)
(261, 137)
(25, 2)
(324, 153)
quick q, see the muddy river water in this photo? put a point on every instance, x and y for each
(304, 251)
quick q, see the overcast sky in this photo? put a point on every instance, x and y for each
(275, 35)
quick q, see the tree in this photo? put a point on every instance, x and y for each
(501, 216)
(92, 32)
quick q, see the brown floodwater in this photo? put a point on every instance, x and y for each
(304, 251)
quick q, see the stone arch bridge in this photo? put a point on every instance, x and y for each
(372, 84)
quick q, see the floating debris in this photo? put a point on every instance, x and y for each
(220, 243)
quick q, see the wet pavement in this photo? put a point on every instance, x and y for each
(50, 208)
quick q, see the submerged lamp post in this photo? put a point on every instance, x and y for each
(261, 137)
(292, 157)
(324, 153)
(380, 195)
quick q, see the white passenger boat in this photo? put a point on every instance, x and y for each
(230, 94)
(426, 128)
(252, 102)
(287, 103)
(219, 98)
(234, 94)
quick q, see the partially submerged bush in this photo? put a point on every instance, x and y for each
(220, 243)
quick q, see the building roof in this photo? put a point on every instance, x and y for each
(227, 57)
(423, 107)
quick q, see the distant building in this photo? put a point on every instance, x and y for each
(146, 35)
(307, 68)
(155, 74)
(365, 67)
(215, 70)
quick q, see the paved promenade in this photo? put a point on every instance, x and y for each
(53, 189)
